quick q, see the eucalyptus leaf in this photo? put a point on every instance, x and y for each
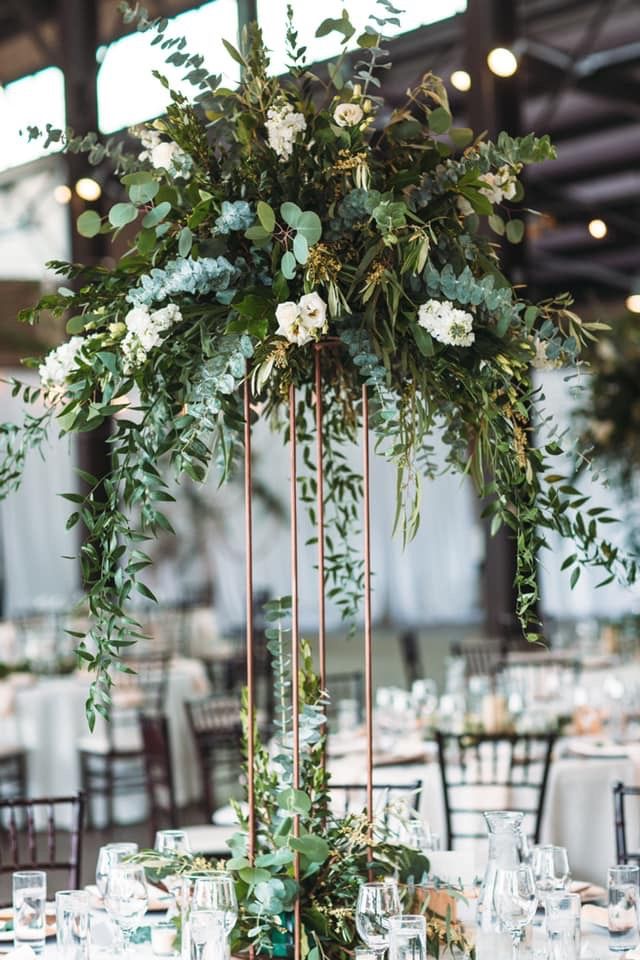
(122, 213)
(288, 265)
(89, 223)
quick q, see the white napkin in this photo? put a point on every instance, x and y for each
(21, 953)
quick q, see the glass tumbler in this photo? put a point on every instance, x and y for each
(562, 918)
(623, 884)
(29, 901)
(408, 937)
(72, 924)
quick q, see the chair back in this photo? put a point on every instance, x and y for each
(43, 834)
(216, 725)
(392, 802)
(345, 686)
(159, 772)
(499, 771)
(480, 658)
(409, 644)
(620, 793)
(151, 678)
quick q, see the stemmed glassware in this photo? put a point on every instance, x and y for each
(516, 901)
(551, 869)
(126, 899)
(108, 856)
(377, 903)
(172, 842)
(215, 894)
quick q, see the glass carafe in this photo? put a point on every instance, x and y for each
(507, 848)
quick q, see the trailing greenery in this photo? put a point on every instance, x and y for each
(277, 218)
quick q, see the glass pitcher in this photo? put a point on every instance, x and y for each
(507, 848)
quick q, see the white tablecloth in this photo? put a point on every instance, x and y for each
(49, 721)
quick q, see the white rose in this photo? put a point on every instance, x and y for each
(313, 311)
(163, 154)
(348, 114)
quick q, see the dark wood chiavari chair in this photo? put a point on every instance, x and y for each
(13, 773)
(41, 834)
(472, 763)
(217, 731)
(161, 796)
(620, 792)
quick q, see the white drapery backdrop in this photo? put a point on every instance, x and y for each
(436, 579)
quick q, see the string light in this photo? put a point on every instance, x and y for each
(598, 229)
(62, 194)
(461, 80)
(502, 62)
(632, 302)
(88, 189)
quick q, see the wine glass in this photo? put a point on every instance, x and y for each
(551, 868)
(108, 856)
(205, 931)
(516, 901)
(377, 903)
(174, 842)
(216, 893)
(126, 899)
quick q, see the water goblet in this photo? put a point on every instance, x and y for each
(216, 893)
(206, 935)
(172, 842)
(515, 901)
(108, 855)
(551, 868)
(376, 904)
(623, 887)
(126, 899)
(72, 924)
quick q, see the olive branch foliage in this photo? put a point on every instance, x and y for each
(386, 217)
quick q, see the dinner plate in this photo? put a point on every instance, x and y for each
(6, 923)
(589, 892)
(158, 899)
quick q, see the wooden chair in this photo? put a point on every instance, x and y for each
(113, 764)
(409, 643)
(217, 730)
(345, 686)
(480, 658)
(32, 835)
(620, 793)
(389, 799)
(13, 773)
(472, 766)
(161, 795)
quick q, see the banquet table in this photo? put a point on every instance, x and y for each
(48, 720)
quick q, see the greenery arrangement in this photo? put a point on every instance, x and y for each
(335, 852)
(265, 221)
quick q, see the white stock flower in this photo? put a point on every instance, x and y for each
(447, 323)
(57, 365)
(348, 114)
(283, 125)
(162, 154)
(499, 186)
(146, 330)
(303, 321)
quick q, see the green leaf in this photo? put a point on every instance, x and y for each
(233, 53)
(145, 242)
(291, 213)
(368, 40)
(300, 248)
(155, 216)
(89, 223)
(140, 193)
(314, 848)
(185, 241)
(461, 136)
(253, 875)
(288, 265)
(76, 324)
(139, 177)
(515, 231)
(439, 120)
(310, 225)
(122, 213)
(496, 223)
(423, 340)
(294, 801)
(575, 576)
(266, 216)
(257, 232)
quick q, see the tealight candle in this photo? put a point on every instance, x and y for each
(163, 939)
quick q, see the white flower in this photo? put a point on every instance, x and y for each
(163, 154)
(447, 323)
(541, 361)
(499, 186)
(464, 207)
(313, 311)
(303, 321)
(146, 330)
(348, 114)
(283, 125)
(58, 365)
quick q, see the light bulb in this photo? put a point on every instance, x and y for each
(502, 62)
(88, 189)
(461, 80)
(632, 302)
(62, 193)
(597, 229)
